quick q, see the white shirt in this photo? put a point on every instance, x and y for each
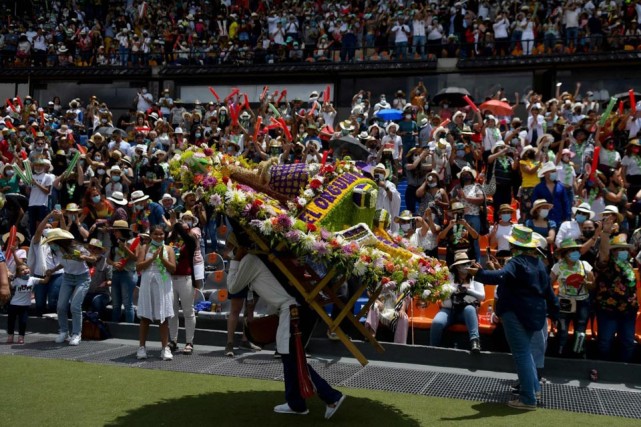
(37, 196)
(400, 32)
(474, 289)
(23, 289)
(572, 18)
(632, 166)
(500, 28)
(72, 266)
(396, 143)
(634, 126)
(567, 230)
(252, 272)
(418, 28)
(426, 241)
(391, 205)
(565, 174)
(502, 234)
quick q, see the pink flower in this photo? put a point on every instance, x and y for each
(320, 247)
(292, 236)
(209, 181)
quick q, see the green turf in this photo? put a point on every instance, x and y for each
(44, 392)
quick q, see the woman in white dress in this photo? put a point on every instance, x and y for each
(156, 263)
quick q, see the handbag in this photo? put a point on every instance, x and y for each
(567, 305)
(261, 331)
(489, 188)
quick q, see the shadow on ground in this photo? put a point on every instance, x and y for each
(486, 410)
(256, 408)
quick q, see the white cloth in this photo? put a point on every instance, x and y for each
(183, 291)
(501, 236)
(11, 263)
(567, 230)
(474, 289)
(391, 205)
(37, 196)
(427, 241)
(68, 262)
(252, 272)
(23, 289)
(632, 166)
(156, 296)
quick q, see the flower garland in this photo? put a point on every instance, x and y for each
(628, 272)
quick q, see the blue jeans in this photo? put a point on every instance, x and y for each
(571, 35)
(519, 339)
(122, 293)
(48, 292)
(539, 344)
(475, 222)
(209, 236)
(73, 290)
(447, 316)
(621, 324)
(325, 392)
(400, 50)
(419, 42)
(579, 319)
(97, 302)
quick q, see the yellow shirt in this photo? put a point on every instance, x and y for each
(530, 180)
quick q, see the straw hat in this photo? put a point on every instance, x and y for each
(168, 196)
(460, 258)
(120, 224)
(633, 142)
(188, 193)
(546, 137)
(72, 207)
(57, 234)
(583, 207)
(387, 128)
(547, 167)
(522, 236)
(498, 145)
(118, 198)
(619, 242)
(613, 210)
(457, 206)
(347, 125)
(96, 244)
(114, 168)
(381, 167)
(406, 215)
(188, 214)
(540, 204)
(505, 207)
(468, 170)
(19, 236)
(138, 196)
(568, 244)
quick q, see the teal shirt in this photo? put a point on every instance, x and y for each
(12, 183)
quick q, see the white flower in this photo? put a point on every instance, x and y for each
(426, 293)
(301, 201)
(313, 168)
(359, 268)
(266, 227)
(309, 193)
(449, 288)
(307, 240)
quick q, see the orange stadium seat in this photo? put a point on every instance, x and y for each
(422, 317)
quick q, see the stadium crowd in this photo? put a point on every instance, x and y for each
(80, 185)
(142, 33)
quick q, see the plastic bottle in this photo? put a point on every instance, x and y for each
(489, 313)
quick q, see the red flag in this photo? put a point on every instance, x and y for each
(326, 94)
(620, 108)
(259, 122)
(595, 162)
(262, 95)
(13, 107)
(11, 240)
(246, 104)
(282, 95)
(8, 123)
(470, 103)
(633, 104)
(42, 119)
(288, 134)
(33, 131)
(234, 91)
(213, 92)
(82, 149)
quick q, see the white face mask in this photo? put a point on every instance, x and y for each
(406, 227)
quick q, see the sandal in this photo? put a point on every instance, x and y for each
(20, 339)
(172, 346)
(189, 348)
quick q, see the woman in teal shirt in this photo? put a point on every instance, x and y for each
(8, 180)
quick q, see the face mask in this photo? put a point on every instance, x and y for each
(406, 227)
(344, 132)
(580, 218)
(101, 172)
(553, 176)
(95, 199)
(197, 135)
(543, 213)
(506, 217)
(9, 172)
(156, 244)
(379, 177)
(466, 179)
(460, 153)
(39, 149)
(565, 159)
(232, 254)
(623, 255)
(72, 218)
(54, 247)
(115, 178)
(138, 207)
(189, 224)
(588, 234)
(445, 105)
(408, 116)
(432, 184)
(98, 158)
(574, 256)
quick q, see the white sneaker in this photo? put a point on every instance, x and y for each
(165, 354)
(62, 337)
(141, 353)
(285, 409)
(75, 339)
(331, 410)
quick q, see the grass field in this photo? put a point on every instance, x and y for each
(44, 392)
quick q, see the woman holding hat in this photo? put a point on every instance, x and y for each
(572, 229)
(524, 298)
(122, 258)
(462, 305)
(575, 280)
(73, 258)
(616, 294)
(156, 262)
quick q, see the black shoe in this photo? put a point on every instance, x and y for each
(172, 346)
(476, 345)
(515, 389)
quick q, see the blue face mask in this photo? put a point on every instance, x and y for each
(115, 178)
(623, 255)
(460, 153)
(156, 244)
(95, 199)
(138, 207)
(574, 256)
(506, 217)
(53, 247)
(553, 176)
(580, 218)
